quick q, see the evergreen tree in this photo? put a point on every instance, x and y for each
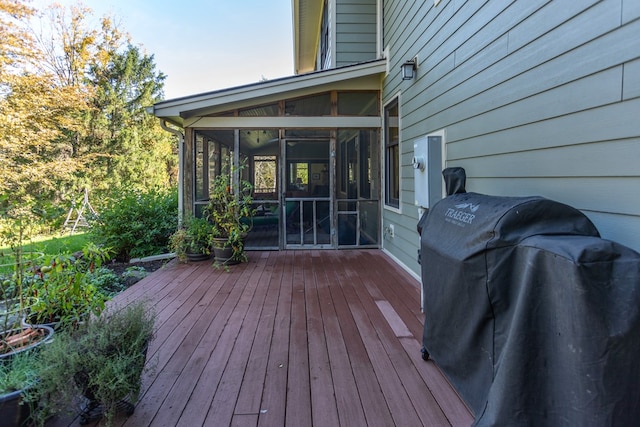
(72, 108)
(132, 149)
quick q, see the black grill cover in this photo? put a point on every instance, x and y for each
(531, 315)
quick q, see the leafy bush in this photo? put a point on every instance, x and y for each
(63, 291)
(103, 360)
(193, 238)
(138, 224)
(105, 281)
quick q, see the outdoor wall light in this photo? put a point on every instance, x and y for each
(409, 68)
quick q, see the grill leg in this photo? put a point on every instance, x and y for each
(425, 353)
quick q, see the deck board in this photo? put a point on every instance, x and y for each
(273, 403)
(324, 408)
(392, 387)
(291, 338)
(207, 386)
(372, 399)
(298, 407)
(222, 406)
(343, 361)
(250, 396)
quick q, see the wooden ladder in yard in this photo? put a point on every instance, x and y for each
(75, 217)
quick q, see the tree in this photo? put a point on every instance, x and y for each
(140, 153)
(70, 47)
(72, 108)
(32, 111)
(35, 160)
(16, 43)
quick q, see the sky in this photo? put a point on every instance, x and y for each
(206, 45)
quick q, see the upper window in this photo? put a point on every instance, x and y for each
(358, 104)
(314, 105)
(392, 154)
(270, 110)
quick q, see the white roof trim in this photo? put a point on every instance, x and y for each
(176, 110)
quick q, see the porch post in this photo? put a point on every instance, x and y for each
(236, 162)
(188, 173)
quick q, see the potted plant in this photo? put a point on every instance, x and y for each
(230, 214)
(103, 360)
(18, 363)
(192, 241)
(15, 337)
(18, 375)
(15, 304)
(63, 291)
(15, 301)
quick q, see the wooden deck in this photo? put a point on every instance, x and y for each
(291, 338)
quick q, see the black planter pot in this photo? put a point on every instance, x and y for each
(223, 254)
(196, 257)
(12, 411)
(92, 409)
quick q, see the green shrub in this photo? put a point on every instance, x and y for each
(63, 291)
(102, 360)
(136, 224)
(106, 281)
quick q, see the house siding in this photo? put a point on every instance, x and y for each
(536, 98)
(356, 31)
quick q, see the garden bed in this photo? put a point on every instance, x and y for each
(149, 266)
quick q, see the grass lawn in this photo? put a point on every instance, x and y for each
(47, 245)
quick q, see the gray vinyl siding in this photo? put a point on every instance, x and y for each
(356, 31)
(536, 98)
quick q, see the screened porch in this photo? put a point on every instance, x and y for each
(314, 187)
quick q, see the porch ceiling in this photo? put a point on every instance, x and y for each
(364, 76)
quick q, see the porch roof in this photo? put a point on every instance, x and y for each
(363, 76)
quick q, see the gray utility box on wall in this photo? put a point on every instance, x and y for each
(427, 165)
